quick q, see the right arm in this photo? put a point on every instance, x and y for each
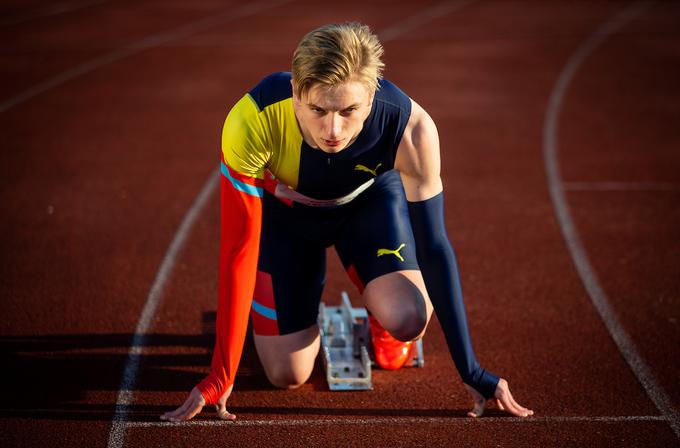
(241, 189)
(241, 219)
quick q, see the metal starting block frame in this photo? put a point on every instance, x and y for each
(346, 346)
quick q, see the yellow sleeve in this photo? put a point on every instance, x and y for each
(246, 139)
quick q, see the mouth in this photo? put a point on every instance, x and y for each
(332, 143)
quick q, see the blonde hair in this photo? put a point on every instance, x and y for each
(337, 53)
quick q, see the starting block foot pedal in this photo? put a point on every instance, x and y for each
(344, 341)
(346, 346)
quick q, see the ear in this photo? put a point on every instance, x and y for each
(295, 98)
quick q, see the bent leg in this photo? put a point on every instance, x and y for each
(400, 302)
(290, 279)
(288, 360)
(378, 251)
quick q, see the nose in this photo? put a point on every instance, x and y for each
(334, 126)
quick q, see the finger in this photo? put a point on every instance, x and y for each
(528, 411)
(226, 415)
(507, 400)
(507, 403)
(171, 414)
(188, 414)
(523, 412)
(222, 413)
(509, 407)
(191, 407)
(477, 409)
(499, 404)
(513, 408)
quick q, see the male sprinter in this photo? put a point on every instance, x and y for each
(333, 154)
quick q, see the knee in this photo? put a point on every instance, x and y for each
(284, 377)
(288, 360)
(399, 301)
(410, 326)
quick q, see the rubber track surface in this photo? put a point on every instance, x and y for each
(110, 116)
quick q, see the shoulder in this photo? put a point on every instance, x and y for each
(271, 90)
(388, 93)
(246, 145)
(420, 139)
(418, 158)
(245, 118)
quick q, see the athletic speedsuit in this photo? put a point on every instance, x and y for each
(283, 202)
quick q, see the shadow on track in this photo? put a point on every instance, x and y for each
(58, 376)
(71, 376)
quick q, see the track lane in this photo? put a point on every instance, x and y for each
(619, 126)
(250, 400)
(471, 185)
(79, 276)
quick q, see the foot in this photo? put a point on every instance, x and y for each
(390, 353)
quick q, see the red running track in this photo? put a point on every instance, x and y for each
(111, 114)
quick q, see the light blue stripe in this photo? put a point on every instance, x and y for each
(242, 186)
(265, 311)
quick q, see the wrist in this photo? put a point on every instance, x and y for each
(484, 382)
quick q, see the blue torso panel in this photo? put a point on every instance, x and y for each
(322, 175)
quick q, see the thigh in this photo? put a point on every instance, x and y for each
(377, 238)
(290, 276)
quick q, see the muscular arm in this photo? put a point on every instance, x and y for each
(418, 162)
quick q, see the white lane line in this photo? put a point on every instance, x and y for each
(620, 186)
(571, 236)
(228, 15)
(129, 379)
(423, 17)
(461, 421)
(126, 390)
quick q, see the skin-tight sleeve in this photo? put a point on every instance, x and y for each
(241, 222)
(438, 265)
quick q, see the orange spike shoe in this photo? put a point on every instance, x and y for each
(390, 353)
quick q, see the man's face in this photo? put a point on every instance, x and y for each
(332, 117)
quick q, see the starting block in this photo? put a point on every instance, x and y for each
(346, 346)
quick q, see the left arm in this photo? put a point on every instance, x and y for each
(418, 161)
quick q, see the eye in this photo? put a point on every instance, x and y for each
(349, 111)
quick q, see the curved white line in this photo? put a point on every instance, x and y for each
(578, 253)
(129, 379)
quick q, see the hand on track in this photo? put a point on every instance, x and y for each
(221, 406)
(504, 401)
(193, 405)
